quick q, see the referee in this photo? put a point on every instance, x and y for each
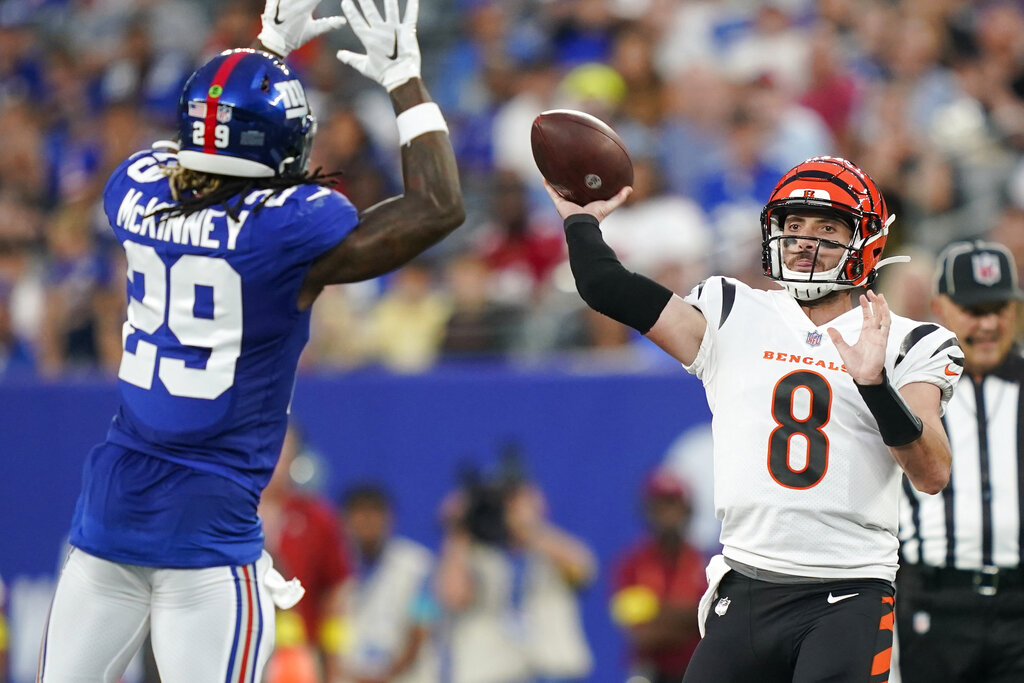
(960, 589)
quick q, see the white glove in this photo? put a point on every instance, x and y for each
(289, 24)
(284, 594)
(392, 53)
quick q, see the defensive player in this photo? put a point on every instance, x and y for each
(821, 400)
(228, 241)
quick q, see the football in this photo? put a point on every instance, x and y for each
(582, 158)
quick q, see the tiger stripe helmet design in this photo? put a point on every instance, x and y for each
(835, 186)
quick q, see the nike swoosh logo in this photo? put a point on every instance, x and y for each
(277, 9)
(833, 599)
(394, 53)
(954, 373)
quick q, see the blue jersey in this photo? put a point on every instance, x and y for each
(211, 344)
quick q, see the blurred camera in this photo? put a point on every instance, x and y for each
(487, 494)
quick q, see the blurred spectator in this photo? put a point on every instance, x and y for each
(656, 232)
(391, 612)
(346, 147)
(22, 283)
(338, 335)
(235, 22)
(832, 89)
(633, 58)
(793, 132)
(535, 85)
(521, 246)
(507, 579)
(485, 38)
(22, 165)
(305, 541)
(406, 326)
(82, 322)
(21, 64)
(595, 88)
(698, 104)
(658, 584)
(16, 354)
(774, 46)
(733, 192)
(686, 34)
(1009, 231)
(72, 147)
(582, 30)
(479, 326)
(144, 75)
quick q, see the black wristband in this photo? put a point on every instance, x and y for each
(605, 284)
(897, 424)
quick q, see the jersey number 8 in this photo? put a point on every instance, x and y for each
(807, 428)
(220, 134)
(169, 297)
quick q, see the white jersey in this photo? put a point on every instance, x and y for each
(804, 484)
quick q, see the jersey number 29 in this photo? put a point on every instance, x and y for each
(808, 428)
(169, 297)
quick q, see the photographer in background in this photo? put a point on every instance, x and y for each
(508, 579)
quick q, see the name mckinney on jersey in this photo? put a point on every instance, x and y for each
(193, 230)
(803, 360)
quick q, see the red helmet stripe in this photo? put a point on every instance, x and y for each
(213, 99)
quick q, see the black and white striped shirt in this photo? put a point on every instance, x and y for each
(977, 519)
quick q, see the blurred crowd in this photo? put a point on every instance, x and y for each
(714, 99)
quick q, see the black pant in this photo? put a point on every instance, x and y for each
(800, 633)
(960, 626)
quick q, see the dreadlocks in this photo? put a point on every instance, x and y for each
(196, 190)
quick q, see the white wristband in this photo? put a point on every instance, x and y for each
(415, 121)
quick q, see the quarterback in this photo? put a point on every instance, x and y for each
(822, 399)
(228, 240)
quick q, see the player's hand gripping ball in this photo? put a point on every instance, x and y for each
(580, 155)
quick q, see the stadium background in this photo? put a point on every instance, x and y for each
(483, 341)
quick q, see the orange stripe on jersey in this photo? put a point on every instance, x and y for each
(886, 624)
(881, 662)
(888, 600)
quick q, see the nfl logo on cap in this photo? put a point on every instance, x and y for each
(986, 268)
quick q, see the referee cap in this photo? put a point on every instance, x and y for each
(972, 272)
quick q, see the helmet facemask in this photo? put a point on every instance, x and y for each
(816, 283)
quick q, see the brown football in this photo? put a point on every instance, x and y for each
(580, 155)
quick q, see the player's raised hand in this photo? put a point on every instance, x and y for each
(392, 53)
(865, 359)
(598, 209)
(289, 24)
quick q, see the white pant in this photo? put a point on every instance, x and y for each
(208, 625)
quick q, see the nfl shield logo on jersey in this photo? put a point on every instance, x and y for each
(814, 338)
(722, 607)
(986, 268)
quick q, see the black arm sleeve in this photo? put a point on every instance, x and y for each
(605, 284)
(896, 423)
